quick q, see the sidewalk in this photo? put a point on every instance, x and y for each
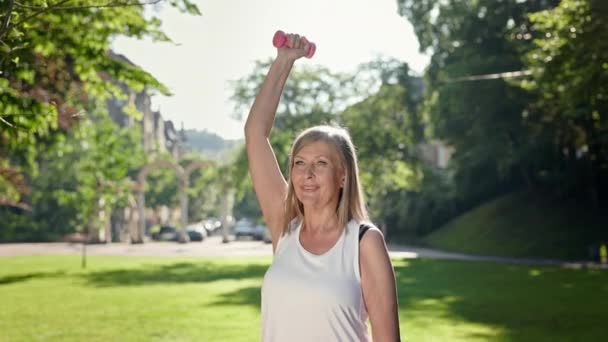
(213, 247)
(421, 252)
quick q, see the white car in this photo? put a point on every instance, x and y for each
(212, 225)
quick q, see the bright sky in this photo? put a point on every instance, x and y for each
(224, 42)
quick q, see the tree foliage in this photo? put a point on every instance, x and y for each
(570, 79)
(53, 72)
(481, 119)
(55, 77)
(516, 88)
(543, 126)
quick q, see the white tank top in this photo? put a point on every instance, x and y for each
(310, 297)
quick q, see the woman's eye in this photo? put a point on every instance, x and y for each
(322, 162)
(299, 162)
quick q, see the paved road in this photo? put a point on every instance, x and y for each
(213, 246)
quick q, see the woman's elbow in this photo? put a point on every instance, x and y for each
(254, 130)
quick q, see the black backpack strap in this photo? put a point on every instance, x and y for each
(362, 229)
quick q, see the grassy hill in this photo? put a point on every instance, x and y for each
(523, 225)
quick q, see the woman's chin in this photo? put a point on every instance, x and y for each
(307, 198)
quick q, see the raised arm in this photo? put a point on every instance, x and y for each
(268, 182)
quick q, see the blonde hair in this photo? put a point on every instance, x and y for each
(351, 203)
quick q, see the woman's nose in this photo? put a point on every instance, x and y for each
(309, 172)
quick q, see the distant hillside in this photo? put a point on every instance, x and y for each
(523, 225)
(209, 144)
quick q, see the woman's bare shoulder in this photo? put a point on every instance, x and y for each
(372, 241)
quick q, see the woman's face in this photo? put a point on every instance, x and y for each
(316, 175)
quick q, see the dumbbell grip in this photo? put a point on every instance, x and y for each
(280, 39)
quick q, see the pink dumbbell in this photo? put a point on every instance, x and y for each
(280, 39)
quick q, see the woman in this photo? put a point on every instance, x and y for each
(325, 280)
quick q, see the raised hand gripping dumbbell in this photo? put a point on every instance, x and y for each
(280, 40)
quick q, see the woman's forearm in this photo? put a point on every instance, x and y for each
(261, 116)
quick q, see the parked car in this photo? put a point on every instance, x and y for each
(244, 227)
(170, 233)
(166, 233)
(196, 233)
(267, 236)
(259, 232)
(212, 225)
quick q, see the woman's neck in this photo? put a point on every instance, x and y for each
(320, 221)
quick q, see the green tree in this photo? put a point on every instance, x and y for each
(482, 118)
(162, 186)
(54, 80)
(205, 192)
(570, 79)
(387, 128)
(53, 72)
(84, 171)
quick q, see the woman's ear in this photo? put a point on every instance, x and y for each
(342, 177)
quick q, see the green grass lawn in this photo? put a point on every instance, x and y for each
(49, 298)
(521, 224)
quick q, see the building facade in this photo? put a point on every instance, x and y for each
(158, 135)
